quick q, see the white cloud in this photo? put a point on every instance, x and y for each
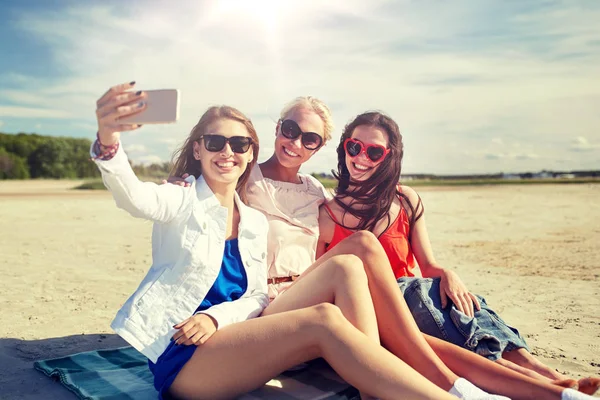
(136, 148)
(85, 127)
(429, 68)
(495, 156)
(581, 144)
(32, 112)
(512, 156)
(147, 159)
(526, 156)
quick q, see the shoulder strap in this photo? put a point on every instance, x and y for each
(414, 213)
(330, 212)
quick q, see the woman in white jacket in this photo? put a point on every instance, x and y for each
(208, 278)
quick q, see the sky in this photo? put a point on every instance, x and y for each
(475, 86)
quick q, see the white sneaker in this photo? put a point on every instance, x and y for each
(572, 394)
(463, 389)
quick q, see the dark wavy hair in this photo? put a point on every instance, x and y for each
(372, 198)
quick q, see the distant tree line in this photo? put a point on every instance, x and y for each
(24, 156)
(544, 174)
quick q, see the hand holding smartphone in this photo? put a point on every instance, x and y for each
(162, 107)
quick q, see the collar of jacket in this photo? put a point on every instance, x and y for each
(209, 203)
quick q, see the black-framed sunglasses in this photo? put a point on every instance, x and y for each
(291, 130)
(238, 144)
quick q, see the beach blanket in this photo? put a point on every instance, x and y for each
(123, 374)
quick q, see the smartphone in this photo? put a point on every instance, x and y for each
(162, 107)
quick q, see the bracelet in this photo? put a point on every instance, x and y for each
(108, 152)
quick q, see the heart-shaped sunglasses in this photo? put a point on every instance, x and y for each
(291, 130)
(374, 152)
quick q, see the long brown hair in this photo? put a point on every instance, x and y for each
(375, 195)
(184, 161)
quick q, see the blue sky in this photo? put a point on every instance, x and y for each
(476, 87)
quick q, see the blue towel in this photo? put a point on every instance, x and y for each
(123, 374)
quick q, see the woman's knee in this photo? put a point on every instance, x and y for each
(325, 316)
(366, 245)
(318, 325)
(363, 239)
(349, 269)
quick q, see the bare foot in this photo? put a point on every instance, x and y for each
(566, 383)
(589, 385)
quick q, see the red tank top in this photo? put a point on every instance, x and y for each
(394, 241)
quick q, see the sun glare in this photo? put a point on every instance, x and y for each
(265, 12)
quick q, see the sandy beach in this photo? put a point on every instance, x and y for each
(70, 258)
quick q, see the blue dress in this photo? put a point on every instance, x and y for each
(230, 285)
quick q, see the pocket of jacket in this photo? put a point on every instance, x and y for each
(148, 297)
(195, 226)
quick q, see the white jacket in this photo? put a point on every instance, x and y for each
(188, 241)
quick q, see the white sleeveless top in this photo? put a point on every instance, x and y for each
(293, 214)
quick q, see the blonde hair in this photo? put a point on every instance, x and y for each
(315, 105)
(183, 158)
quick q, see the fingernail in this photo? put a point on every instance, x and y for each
(140, 104)
(138, 92)
(132, 83)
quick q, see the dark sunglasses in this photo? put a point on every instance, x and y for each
(291, 130)
(374, 152)
(238, 144)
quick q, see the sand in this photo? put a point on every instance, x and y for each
(70, 258)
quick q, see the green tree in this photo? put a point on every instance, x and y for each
(12, 166)
(52, 159)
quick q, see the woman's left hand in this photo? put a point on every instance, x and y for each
(451, 286)
(197, 329)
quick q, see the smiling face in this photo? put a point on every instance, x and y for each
(361, 167)
(223, 167)
(290, 152)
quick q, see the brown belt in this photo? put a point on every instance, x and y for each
(282, 279)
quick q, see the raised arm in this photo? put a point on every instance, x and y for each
(140, 199)
(450, 285)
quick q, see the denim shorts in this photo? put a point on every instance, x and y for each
(486, 334)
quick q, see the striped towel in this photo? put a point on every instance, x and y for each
(123, 374)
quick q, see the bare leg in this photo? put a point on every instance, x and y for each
(491, 376)
(400, 334)
(567, 383)
(243, 356)
(525, 359)
(397, 328)
(340, 280)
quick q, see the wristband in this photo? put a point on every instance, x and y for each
(104, 153)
